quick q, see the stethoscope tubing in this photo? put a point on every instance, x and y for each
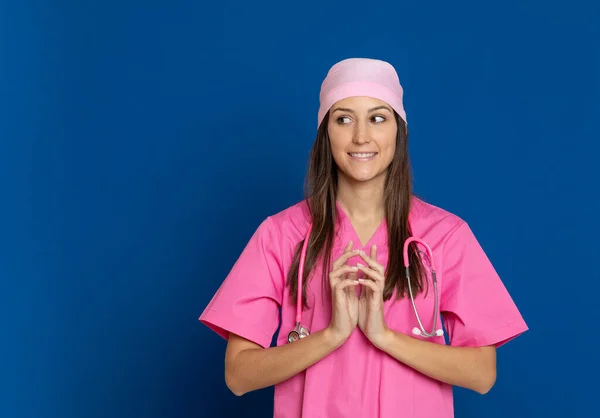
(300, 331)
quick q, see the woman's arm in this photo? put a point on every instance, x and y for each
(469, 367)
(249, 367)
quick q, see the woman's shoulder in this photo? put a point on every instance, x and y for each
(290, 222)
(425, 216)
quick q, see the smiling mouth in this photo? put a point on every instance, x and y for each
(362, 156)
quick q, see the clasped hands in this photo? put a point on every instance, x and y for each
(350, 310)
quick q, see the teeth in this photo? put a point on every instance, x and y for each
(363, 154)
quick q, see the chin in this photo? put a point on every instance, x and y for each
(362, 177)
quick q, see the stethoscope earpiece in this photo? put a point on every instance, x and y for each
(437, 333)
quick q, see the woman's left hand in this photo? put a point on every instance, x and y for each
(370, 306)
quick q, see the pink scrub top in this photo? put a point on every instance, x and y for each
(358, 379)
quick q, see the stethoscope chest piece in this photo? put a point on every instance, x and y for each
(297, 333)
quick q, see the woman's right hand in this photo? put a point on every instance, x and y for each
(344, 300)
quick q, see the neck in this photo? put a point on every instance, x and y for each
(362, 201)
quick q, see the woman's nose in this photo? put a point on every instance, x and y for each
(361, 134)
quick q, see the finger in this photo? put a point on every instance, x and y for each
(344, 284)
(353, 274)
(336, 274)
(372, 275)
(342, 270)
(370, 284)
(371, 262)
(344, 257)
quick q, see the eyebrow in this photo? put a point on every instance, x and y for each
(343, 109)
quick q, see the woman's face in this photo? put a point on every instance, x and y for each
(362, 131)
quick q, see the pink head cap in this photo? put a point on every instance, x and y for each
(361, 77)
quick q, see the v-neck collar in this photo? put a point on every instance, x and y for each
(349, 228)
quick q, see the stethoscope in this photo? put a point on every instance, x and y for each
(301, 331)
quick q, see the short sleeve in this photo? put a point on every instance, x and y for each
(247, 302)
(476, 306)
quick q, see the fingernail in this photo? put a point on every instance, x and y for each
(359, 265)
(374, 246)
(355, 268)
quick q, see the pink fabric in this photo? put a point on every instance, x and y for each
(361, 77)
(358, 380)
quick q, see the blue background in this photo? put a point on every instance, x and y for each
(142, 142)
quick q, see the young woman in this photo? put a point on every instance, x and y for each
(352, 269)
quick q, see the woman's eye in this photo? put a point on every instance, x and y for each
(343, 120)
(378, 119)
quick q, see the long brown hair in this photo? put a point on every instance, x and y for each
(321, 193)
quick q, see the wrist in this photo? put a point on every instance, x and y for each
(384, 339)
(333, 338)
